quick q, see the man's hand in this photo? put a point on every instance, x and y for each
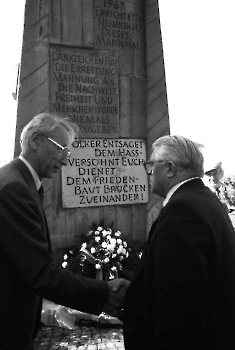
(117, 291)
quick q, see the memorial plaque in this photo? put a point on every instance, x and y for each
(119, 24)
(105, 172)
(84, 87)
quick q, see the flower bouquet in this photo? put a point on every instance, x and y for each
(102, 254)
(106, 251)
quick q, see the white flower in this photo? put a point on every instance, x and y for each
(92, 250)
(106, 260)
(119, 241)
(97, 233)
(125, 244)
(97, 266)
(105, 233)
(113, 241)
(127, 254)
(99, 228)
(114, 256)
(104, 245)
(84, 245)
(64, 265)
(108, 238)
(97, 239)
(120, 249)
(110, 247)
(113, 268)
(111, 276)
(65, 257)
(117, 234)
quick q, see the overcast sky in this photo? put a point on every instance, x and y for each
(199, 55)
(11, 32)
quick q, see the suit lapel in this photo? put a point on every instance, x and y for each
(28, 178)
(30, 181)
(142, 260)
(153, 227)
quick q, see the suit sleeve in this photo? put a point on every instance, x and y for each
(180, 255)
(25, 248)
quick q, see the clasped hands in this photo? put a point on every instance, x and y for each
(117, 291)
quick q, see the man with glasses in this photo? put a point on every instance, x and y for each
(182, 295)
(28, 272)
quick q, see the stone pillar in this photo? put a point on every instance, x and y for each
(157, 107)
(99, 62)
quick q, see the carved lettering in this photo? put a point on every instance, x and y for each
(84, 87)
(118, 24)
(105, 171)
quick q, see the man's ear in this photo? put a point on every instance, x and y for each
(172, 169)
(35, 139)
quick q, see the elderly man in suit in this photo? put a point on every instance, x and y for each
(28, 272)
(182, 295)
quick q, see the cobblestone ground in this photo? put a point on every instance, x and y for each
(83, 338)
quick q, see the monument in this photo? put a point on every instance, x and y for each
(100, 63)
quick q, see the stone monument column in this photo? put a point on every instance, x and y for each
(100, 63)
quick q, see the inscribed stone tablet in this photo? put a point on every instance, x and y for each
(105, 172)
(84, 87)
(119, 24)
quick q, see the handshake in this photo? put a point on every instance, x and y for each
(117, 291)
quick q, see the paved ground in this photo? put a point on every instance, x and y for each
(90, 336)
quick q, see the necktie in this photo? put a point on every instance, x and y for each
(41, 194)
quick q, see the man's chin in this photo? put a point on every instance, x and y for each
(54, 171)
(50, 174)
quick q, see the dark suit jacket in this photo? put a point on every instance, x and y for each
(27, 269)
(182, 295)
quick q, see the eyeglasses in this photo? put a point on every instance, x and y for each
(149, 165)
(63, 150)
